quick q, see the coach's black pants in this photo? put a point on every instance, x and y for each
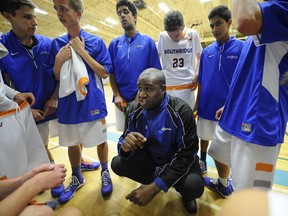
(141, 168)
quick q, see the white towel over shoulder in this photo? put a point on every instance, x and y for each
(73, 77)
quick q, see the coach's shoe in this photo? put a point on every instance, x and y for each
(57, 191)
(89, 166)
(203, 166)
(107, 186)
(215, 185)
(190, 205)
(69, 192)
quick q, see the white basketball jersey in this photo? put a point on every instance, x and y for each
(178, 58)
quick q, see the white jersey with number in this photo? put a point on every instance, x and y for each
(178, 58)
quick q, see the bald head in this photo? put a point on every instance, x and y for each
(151, 88)
(156, 76)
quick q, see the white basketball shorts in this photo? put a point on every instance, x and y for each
(21, 146)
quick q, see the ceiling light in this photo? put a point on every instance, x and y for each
(163, 7)
(38, 10)
(91, 28)
(111, 21)
(204, 1)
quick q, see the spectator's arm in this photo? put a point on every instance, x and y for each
(46, 176)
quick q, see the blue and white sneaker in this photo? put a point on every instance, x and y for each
(215, 185)
(69, 192)
(89, 166)
(107, 186)
(57, 191)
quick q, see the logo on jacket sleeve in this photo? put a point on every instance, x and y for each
(166, 129)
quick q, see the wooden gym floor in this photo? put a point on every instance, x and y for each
(90, 201)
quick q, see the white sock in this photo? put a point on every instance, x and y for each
(223, 181)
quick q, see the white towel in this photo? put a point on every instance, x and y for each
(3, 50)
(73, 77)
